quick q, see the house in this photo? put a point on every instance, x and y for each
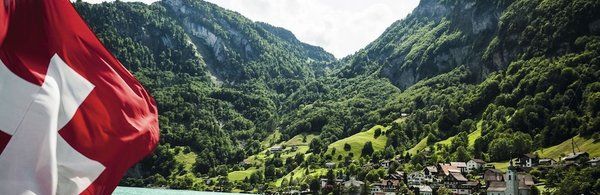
(390, 185)
(492, 175)
(276, 149)
(376, 188)
(444, 170)
(594, 161)
(430, 172)
(576, 157)
(527, 160)
(416, 178)
(456, 183)
(460, 165)
(422, 190)
(496, 188)
(330, 165)
(547, 161)
(474, 164)
(385, 164)
(398, 175)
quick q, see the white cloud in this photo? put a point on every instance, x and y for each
(341, 27)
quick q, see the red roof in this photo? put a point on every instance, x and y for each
(447, 169)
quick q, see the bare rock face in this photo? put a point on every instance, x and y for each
(209, 38)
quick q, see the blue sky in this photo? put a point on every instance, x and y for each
(341, 27)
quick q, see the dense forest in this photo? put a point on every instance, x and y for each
(523, 73)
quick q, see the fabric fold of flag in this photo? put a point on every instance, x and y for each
(72, 118)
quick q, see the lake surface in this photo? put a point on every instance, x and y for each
(149, 191)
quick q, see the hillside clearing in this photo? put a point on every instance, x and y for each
(357, 141)
(417, 148)
(241, 175)
(582, 144)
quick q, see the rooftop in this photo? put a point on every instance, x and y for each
(458, 164)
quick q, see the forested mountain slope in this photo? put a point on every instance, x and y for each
(217, 76)
(524, 73)
(532, 76)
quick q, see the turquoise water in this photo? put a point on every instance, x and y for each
(148, 191)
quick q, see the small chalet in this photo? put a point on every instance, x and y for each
(276, 149)
(390, 185)
(459, 184)
(576, 157)
(430, 172)
(330, 165)
(416, 178)
(460, 165)
(475, 164)
(594, 161)
(398, 175)
(325, 182)
(385, 164)
(423, 190)
(492, 175)
(454, 180)
(527, 160)
(444, 170)
(377, 188)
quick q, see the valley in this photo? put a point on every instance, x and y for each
(247, 107)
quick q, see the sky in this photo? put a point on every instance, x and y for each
(341, 27)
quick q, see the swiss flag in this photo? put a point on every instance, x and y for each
(72, 118)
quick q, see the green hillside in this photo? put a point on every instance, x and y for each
(417, 148)
(357, 141)
(589, 145)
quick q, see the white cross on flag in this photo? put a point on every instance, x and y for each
(72, 118)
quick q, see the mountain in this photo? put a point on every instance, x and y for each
(454, 80)
(217, 76)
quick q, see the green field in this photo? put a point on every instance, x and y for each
(299, 174)
(423, 143)
(582, 144)
(271, 139)
(417, 148)
(475, 134)
(288, 151)
(188, 160)
(357, 141)
(298, 140)
(472, 137)
(501, 165)
(241, 175)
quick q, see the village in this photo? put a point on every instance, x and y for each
(472, 177)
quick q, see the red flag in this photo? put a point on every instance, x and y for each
(72, 118)
(3, 19)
